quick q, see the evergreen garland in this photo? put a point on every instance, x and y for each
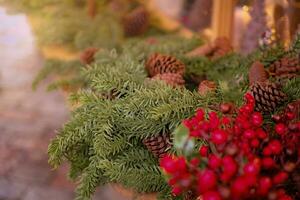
(103, 139)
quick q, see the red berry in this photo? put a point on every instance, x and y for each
(249, 134)
(277, 118)
(268, 163)
(181, 164)
(280, 177)
(214, 121)
(249, 108)
(229, 168)
(249, 98)
(237, 129)
(280, 129)
(226, 120)
(185, 180)
(245, 147)
(214, 161)
(168, 164)
(195, 162)
(203, 151)
(187, 124)
(176, 191)
(246, 125)
(195, 133)
(264, 185)
(219, 136)
(212, 195)
(290, 115)
(285, 197)
(250, 180)
(261, 134)
(231, 149)
(207, 180)
(257, 119)
(173, 181)
(251, 169)
(255, 143)
(225, 107)
(275, 147)
(267, 151)
(200, 114)
(239, 188)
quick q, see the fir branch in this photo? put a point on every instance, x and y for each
(90, 179)
(292, 89)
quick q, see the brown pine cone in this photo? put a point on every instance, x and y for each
(171, 79)
(88, 55)
(136, 22)
(206, 86)
(160, 64)
(158, 145)
(285, 68)
(222, 47)
(267, 96)
(257, 73)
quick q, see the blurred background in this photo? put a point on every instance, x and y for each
(35, 35)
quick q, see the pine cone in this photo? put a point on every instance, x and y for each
(285, 68)
(87, 56)
(170, 79)
(158, 145)
(206, 86)
(136, 22)
(222, 47)
(257, 73)
(160, 64)
(267, 96)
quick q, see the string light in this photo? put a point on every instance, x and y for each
(246, 8)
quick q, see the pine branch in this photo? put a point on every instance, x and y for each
(90, 179)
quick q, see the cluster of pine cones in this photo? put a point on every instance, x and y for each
(269, 95)
(170, 70)
(285, 68)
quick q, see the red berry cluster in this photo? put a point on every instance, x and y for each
(243, 158)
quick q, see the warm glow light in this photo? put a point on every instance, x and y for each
(245, 8)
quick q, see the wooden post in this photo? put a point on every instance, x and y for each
(294, 15)
(92, 8)
(222, 19)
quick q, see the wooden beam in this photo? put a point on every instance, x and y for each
(222, 18)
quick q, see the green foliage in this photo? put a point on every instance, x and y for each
(292, 89)
(66, 22)
(119, 107)
(102, 141)
(295, 47)
(67, 73)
